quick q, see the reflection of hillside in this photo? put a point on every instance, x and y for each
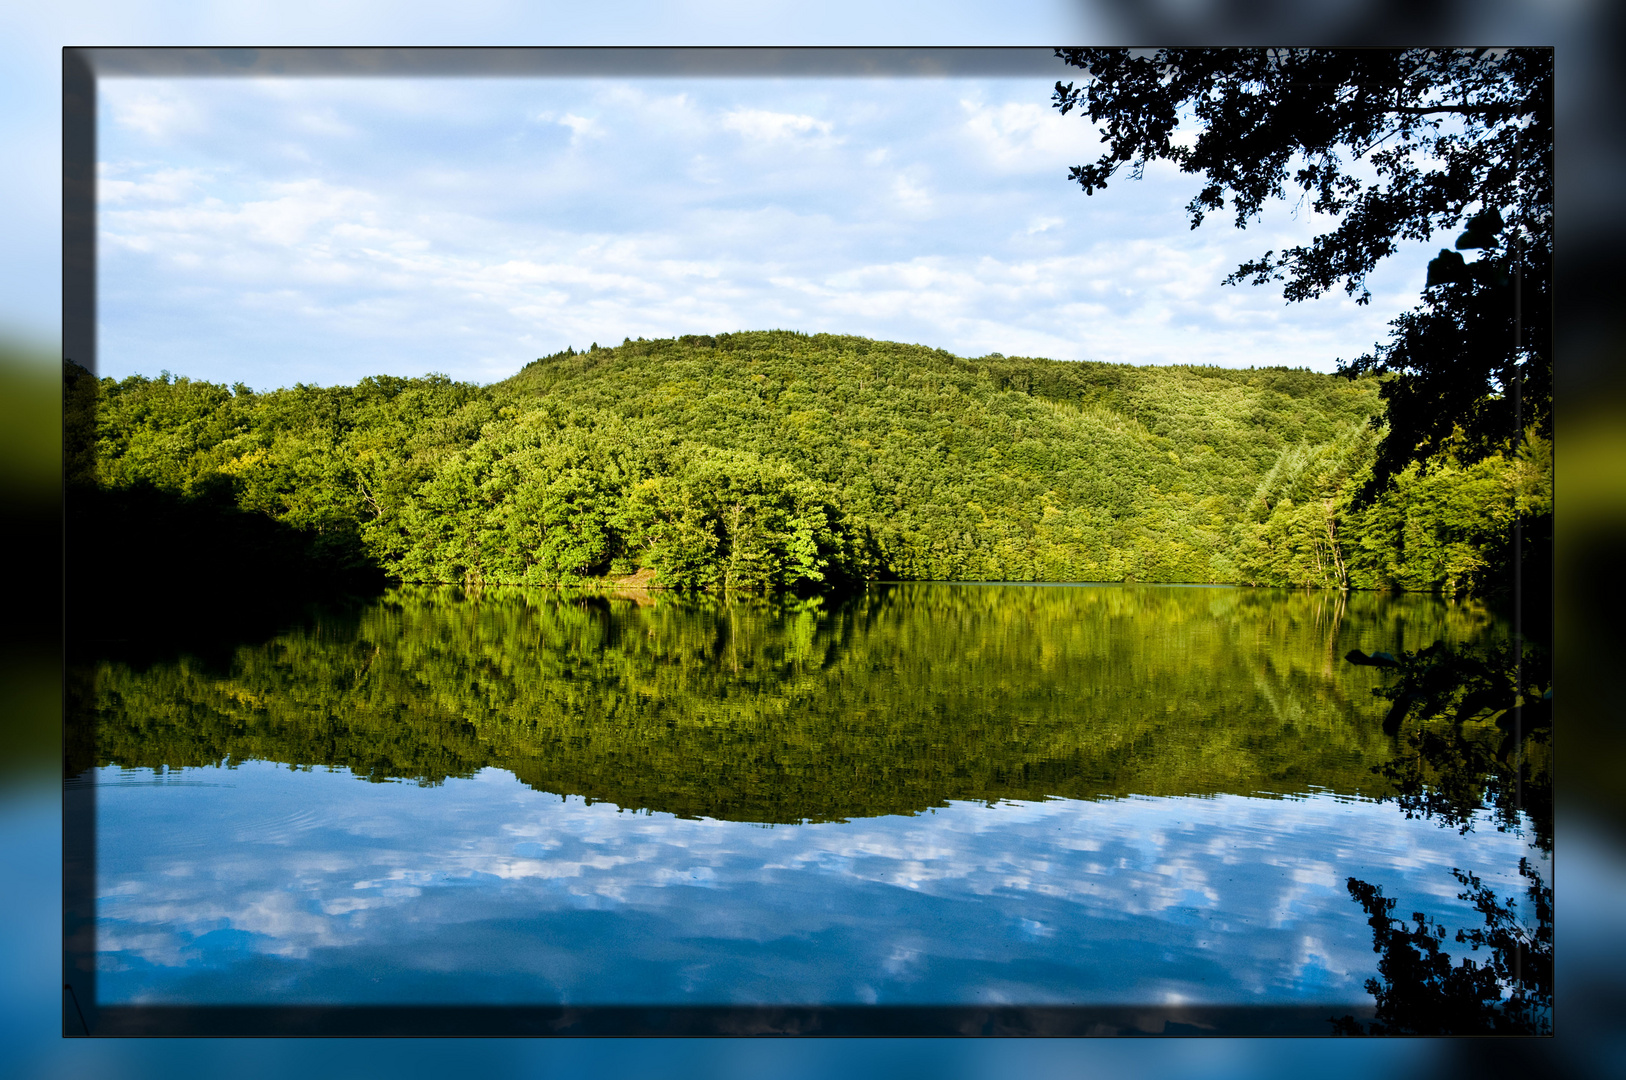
(889, 702)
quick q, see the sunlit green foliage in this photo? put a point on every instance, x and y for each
(892, 700)
(772, 461)
(1446, 528)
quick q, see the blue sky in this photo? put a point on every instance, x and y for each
(319, 230)
(260, 882)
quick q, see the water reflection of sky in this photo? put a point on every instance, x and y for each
(264, 884)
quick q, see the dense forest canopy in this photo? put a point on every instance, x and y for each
(777, 461)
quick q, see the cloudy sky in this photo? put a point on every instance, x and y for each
(260, 883)
(319, 230)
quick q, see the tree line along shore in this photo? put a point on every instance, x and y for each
(771, 461)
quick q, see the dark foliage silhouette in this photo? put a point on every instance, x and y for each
(1394, 145)
(1476, 731)
(1504, 988)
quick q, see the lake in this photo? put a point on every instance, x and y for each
(1118, 807)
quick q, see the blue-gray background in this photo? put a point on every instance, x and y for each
(1591, 870)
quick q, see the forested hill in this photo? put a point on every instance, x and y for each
(776, 459)
(1002, 469)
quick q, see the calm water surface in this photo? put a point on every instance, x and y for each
(927, 794)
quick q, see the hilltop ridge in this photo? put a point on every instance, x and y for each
(995, 468)
(780, 460)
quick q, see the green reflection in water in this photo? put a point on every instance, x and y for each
(892, 701)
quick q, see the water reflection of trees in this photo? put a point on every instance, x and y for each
(888, 702)
(1475, 729)
(1506, 990)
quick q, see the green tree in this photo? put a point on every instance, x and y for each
(1298, 529)
(730, 520)
(1395, 145)
(769, 461)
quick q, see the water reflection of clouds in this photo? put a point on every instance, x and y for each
(485, 889)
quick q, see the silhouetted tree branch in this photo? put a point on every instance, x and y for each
(1444, 138)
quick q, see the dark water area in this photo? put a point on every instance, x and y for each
(920, 795)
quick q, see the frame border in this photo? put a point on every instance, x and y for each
(83, 1017)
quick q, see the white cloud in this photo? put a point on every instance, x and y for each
(1026, 136)
(162, 185)
(253, 246)
(1247, 884)
(580, 126)
(156, 110)
(305, 216)
(911, 196)
(766, 126)
(673, 115)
